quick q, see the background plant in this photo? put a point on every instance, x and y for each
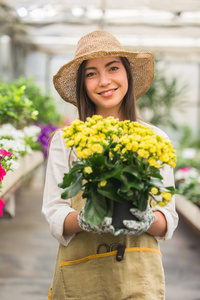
(42, 102)
(19, 141)
(156, 106)
(190, 188)
(188, 152)
(23, 103)
(16, 108)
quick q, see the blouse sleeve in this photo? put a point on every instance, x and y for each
(54, 208)
(169, 210)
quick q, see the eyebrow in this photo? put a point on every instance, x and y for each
(106, 65)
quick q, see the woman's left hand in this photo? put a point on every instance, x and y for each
(145, 220)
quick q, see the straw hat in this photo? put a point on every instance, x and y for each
(101, 43)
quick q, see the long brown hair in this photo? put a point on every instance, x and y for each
(86, 107)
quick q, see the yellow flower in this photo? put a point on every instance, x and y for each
(102, 183)
(102, 136)
(94, 135)
(152, 149)
(88, 170)
(85, 153)
(157, 165)
(128, 146)
(137, 138)
(69, 143)
(162, 204)
(154, 191)
(77, 122)
(124, 150)
(134, 146)
(97, 117)
(143, 153)
(114, 137)
(167, 196)
(173, 165)
(152, 161)
(96, 148)
(117, 147)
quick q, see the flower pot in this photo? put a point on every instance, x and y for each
(121, 211)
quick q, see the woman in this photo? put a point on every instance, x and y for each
(104, 79)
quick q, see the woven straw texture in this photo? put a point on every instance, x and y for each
(101, 43)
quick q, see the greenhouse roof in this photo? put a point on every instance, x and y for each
(169, 28)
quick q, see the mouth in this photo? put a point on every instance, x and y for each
(107, 93)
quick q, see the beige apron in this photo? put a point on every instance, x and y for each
(81, 273)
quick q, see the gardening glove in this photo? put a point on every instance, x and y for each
(104, 227)
(145, 218)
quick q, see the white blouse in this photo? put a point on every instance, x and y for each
(56, 209)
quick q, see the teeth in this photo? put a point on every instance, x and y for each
(108, 92)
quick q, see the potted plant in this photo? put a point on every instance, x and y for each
(117, 162)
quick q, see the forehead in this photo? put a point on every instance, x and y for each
(101, 61)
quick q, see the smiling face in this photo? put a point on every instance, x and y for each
(106, 84)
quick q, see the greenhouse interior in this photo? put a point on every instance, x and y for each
(36, 39)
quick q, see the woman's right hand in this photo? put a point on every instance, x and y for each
(104, 227)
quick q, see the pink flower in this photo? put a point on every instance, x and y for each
(185, 169)
(2, 173)
(1, 207)
(4, 152)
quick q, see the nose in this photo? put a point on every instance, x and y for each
(104, 79)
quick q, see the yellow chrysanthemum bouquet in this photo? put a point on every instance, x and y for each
(116, 161)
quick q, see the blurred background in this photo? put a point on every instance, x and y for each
(36, 39)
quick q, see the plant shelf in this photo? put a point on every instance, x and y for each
(189, 211)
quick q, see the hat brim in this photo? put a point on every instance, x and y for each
(142, 68)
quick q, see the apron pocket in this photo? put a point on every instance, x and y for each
(138, 276)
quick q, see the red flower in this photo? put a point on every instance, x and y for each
(1, 207)
(2, 173)
(4, 152)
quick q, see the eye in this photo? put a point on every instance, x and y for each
(114, 68)
(90, 74)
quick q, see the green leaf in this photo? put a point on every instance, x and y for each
(128, 196)
(74, 188)
(137, 185)
(170, 189)
(133, 170)
(67, 179)
(110, 192)
(95, 208)
(131, 182)
(110, 207)
(143, 200)
(114, 173)
(77, 166)
(96, 160)
(156, 182)
(154, 172)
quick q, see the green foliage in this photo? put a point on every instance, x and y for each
(187, 139)
(157, 104)
(16, 108)
(43, 103)
(125, 182)
(34, 145)
(22, 103)
(190, 188)
(188, 162)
